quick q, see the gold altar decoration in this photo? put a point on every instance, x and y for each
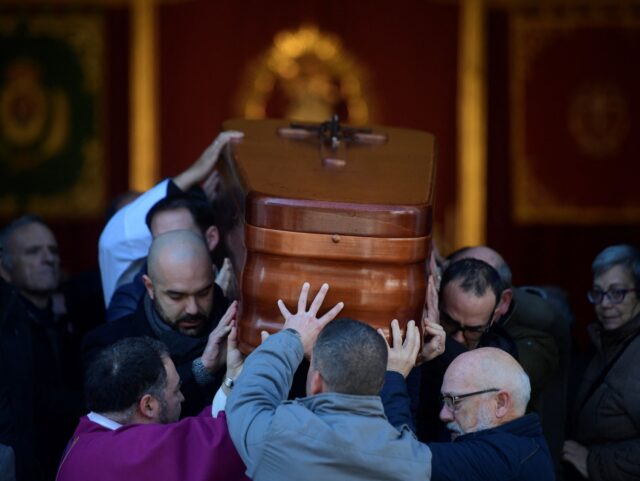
(306, 75)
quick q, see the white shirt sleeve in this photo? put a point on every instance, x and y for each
(219, 402)
(125, 241)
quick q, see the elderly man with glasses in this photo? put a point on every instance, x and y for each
(484, 396)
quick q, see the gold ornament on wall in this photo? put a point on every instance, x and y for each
(306, 75)
(51, 94)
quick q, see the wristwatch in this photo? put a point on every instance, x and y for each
(228, 382)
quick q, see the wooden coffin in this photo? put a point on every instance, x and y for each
(350, 209)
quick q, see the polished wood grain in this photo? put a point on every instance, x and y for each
(336, 246)
(372, 293)
(357, 217)
(381, 190)
(304, 215)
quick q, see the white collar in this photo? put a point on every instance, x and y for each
(103, 421)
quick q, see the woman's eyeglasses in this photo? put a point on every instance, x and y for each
(614, 296)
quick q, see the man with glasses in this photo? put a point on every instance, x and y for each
(471, 299)
(484, 396)
(538, 320)
(536, 326)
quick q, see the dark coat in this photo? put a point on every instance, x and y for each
(608, 421)
(136, 325)
(424, 386)
(16, 396)
(515, 451)
(540, 333)
(40, 392)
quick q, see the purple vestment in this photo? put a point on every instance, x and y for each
(194, 449)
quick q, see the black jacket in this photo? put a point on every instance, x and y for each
(40, 385)
(137, 325)
(514, 451)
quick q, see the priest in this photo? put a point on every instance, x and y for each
(133, 392)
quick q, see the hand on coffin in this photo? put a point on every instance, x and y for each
(434, 341)
(435, 263)
(402, 356)
(202, 168)
(211, 185)
(263, 336)
(226, 278)
(431, 309)
(305, 322)
(235, 359)
(434, 335)
(215, 350)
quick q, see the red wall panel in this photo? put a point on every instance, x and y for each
(409, 48)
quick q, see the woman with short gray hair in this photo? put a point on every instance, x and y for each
(606, 433)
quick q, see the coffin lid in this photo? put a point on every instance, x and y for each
(381, 190)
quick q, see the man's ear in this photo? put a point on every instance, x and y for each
(503, 404)
(504, 303)
(148, 284)
(317, 385)
(148, 409)
(212, 237)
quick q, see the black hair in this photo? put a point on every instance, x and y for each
(196, 203)
(124, 372)
(351, 357)
(503, 268)
(475, 276)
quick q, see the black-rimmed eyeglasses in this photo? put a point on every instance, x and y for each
(451, 326)
(615, 296)
(451, 400)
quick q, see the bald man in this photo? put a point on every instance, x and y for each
(484, 395)
(183, 308)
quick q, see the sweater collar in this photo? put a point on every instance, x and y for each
(331, 402)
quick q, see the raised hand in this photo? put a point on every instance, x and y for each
(402, 355)
(305, 321)
(235, 359)
(434, 264)
(214, 352)
(211, 185)
(434, 346)
(431, 328)
(201, 168)
(432, 309)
